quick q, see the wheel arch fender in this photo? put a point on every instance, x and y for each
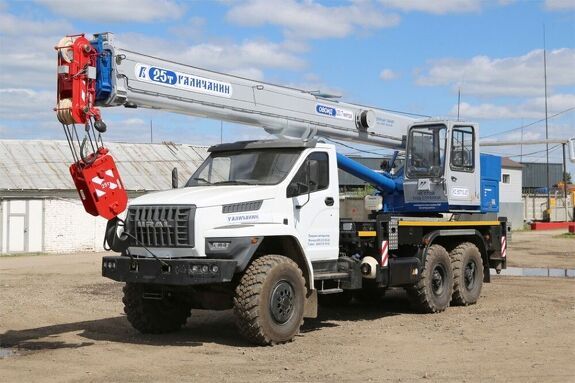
(451, 238)
(289, 247)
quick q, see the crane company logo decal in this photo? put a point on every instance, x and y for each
(460, 192)
(330, 111)
(423, 184)
(243, 218)
(182, 81)
(108, 182)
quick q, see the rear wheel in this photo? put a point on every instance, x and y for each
(433, 291)
(467, 274)
(269, 300)
(151, 311)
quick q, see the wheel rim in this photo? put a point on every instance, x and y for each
(438, 280)
(282, 302)
(469, 275)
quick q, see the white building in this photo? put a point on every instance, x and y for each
(510, 192)
(40, 209)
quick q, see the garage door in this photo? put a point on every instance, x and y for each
(25, 222)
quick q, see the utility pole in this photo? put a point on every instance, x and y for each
(458, 102)
(546, 122)
(521, 155)
(565, 183)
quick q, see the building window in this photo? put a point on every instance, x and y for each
(505, 178)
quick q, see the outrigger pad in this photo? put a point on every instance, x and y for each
(99, 185)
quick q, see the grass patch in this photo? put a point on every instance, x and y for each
(565, 235)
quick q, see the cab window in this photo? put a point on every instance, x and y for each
(312, 176)
(462, 156)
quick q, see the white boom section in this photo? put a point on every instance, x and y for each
(570, 142)
(150, 82)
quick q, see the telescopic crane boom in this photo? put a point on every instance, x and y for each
(134, 80)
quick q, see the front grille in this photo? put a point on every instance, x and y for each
(161, 226)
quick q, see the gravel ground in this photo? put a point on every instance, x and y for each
(60, 321)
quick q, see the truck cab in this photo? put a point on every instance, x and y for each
(243, 193)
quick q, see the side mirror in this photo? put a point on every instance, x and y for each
(174, 178)
(292, 190)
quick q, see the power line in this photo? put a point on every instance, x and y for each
(531, 124)
(537, 152)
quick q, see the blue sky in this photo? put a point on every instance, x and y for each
(407, 55)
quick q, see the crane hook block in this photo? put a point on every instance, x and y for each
(99, 185)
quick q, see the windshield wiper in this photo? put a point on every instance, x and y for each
(232, 182)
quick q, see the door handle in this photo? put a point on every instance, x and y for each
(329, 201)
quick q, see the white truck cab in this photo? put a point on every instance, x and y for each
(243, 193)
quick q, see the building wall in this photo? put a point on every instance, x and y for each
(514, 213)
(510, 192)
(70, 229)
(50, 225)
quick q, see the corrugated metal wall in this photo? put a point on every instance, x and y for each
(535, 174)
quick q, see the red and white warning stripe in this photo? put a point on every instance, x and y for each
(384, 253)
(503, 247)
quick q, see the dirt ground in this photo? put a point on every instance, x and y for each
(60, 321)
(543, 248)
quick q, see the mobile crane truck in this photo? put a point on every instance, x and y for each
(257, 227)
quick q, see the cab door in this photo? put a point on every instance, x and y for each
(314, 193)
(462, 172)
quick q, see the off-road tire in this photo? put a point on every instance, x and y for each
(432, 293)
(270, 278)
(154, 316)
(467, 268)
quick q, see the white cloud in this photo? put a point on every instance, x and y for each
(510, 76)
(248, 58)
(26, 104)
(435, 7)
(531, 109)
(192, 29)
(559, 5)
(311, 20)
(387, 74)
(116, 10)
(28, 57)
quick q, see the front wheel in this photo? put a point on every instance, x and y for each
(269, 300)
(432, 293)
(166, 312)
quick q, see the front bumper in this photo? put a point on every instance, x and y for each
(181, 272)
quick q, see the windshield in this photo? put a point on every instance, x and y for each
(245, 167)
(425, 154)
